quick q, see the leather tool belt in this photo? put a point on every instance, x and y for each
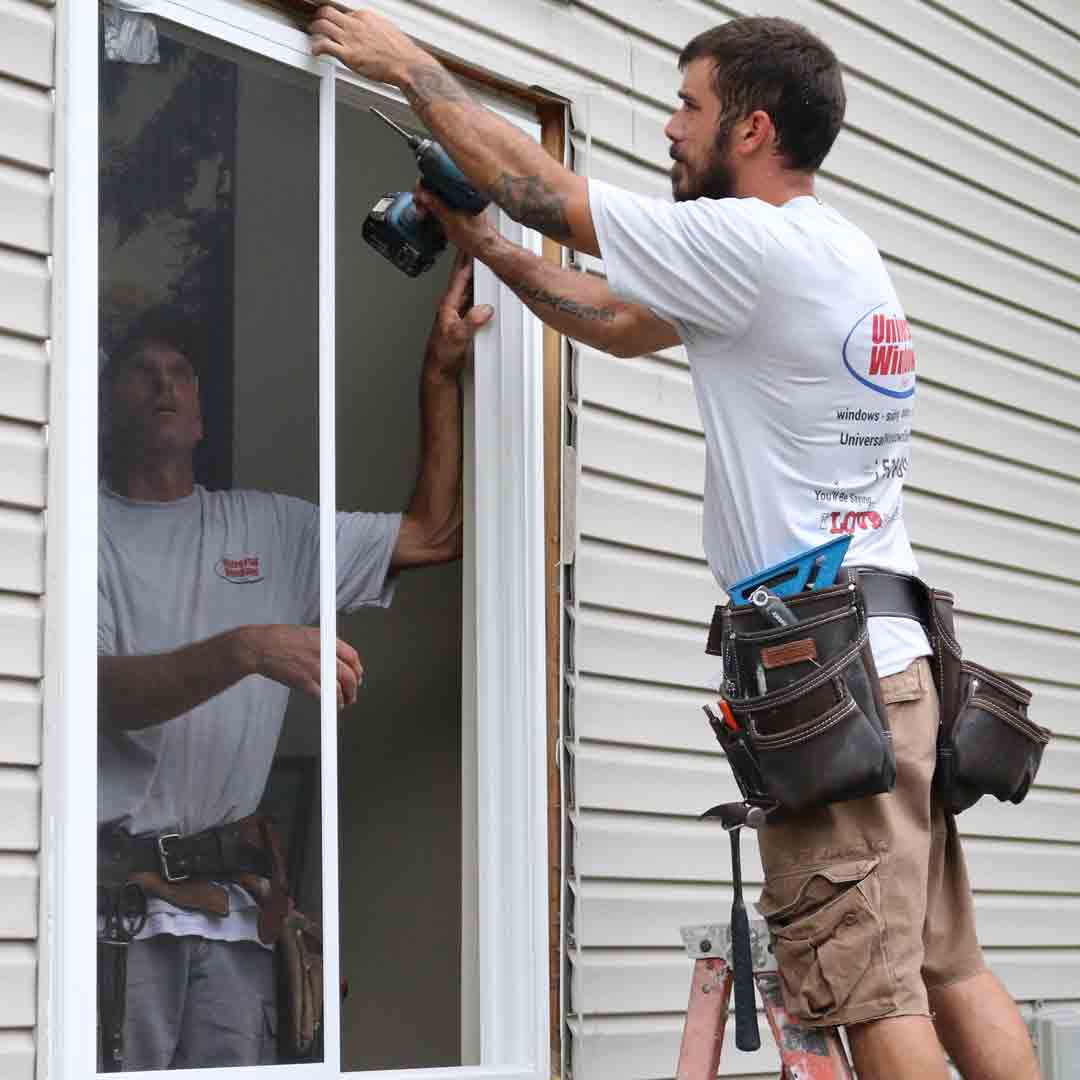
(188, 870)
(223, 852)
(808, 725)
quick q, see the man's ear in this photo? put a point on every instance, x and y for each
(754, 132)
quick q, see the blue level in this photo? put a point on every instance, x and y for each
(813, 569)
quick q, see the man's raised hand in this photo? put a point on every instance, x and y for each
(456, 324)
(368, 43)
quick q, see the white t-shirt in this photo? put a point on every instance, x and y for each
(804, 373)
(178, 572)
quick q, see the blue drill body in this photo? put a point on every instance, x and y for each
(395, 229)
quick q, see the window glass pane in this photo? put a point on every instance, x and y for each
(208, 550)
(400, 759)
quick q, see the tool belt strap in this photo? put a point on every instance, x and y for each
(885, 593)
(222, 852)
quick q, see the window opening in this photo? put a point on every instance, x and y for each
(400, 749)
(207, 227)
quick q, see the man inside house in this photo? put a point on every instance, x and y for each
(208, 612)
(774, 295)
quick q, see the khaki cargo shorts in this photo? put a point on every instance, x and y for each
(868, 901)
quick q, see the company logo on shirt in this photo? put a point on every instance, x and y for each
(839, 523)
(877, 352)
(242, 570)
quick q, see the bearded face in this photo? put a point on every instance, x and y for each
(700, 136)
(711, 178)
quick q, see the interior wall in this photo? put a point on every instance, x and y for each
(276, 347)
(400, 745)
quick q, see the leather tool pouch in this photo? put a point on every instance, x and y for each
(813, 728)
(986, 743)
(300, 997)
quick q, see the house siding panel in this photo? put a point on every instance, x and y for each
(17, 1055)
(27, 69)
(26, 134)
(20, 705)
(17, 988)
(26, 47)
(22, 540)
(25, 208)
(18, 886)
(24, 369)
(24, 292)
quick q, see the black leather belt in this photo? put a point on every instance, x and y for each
(221, 852)
(888, 594)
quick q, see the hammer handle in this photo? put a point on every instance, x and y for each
(747, 1035)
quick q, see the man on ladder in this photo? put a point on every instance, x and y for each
(804, 373)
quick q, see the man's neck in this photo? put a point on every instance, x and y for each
(154, 481)
(777, 185)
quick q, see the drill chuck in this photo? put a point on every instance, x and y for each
(396, 230)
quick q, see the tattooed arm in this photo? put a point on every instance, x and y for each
(514, 170)
(579, 305)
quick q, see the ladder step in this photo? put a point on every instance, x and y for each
(806, 1053)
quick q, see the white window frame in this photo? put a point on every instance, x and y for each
(509, 602)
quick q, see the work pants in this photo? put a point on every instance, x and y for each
(193, 1002)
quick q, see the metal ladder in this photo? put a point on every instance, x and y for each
(739, 955)
(805, 1053)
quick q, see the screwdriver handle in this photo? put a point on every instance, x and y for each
(773, 609)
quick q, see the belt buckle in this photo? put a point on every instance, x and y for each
(163, 859)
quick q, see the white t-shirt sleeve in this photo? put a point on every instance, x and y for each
(697, 264)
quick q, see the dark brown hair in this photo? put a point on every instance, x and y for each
(781, 68)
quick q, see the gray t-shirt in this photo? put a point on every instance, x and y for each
(178, 572)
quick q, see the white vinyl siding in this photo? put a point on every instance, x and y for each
(961, 159)
(26, 155)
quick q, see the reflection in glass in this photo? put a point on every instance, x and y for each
(208, 556)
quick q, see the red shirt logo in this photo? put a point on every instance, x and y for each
(239, 570)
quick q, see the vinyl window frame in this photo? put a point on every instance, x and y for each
(508, 537)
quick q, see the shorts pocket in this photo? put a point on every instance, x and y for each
(906, 685)
(829, 942)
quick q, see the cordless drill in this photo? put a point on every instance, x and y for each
(396, 230)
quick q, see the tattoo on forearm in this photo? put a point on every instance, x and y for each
(564, 303)
(429, 83)
(532, 202)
